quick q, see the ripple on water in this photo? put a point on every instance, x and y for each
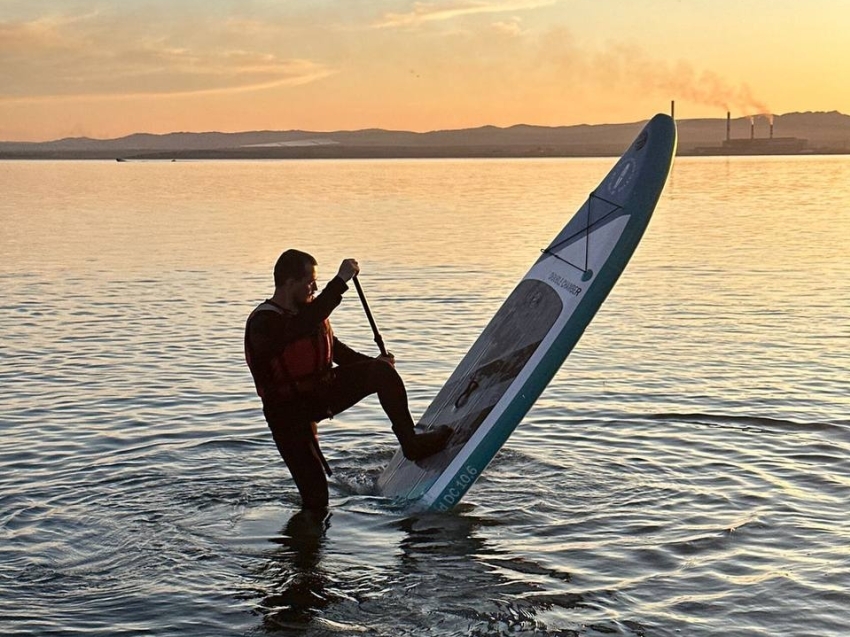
(685, 473)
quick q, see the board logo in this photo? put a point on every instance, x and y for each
(623, 177)
(459, 486)
(565, 283)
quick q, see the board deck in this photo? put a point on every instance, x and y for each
(525, 343)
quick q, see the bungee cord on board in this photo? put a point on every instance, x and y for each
(551, 250)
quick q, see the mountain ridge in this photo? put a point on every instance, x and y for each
(825, 131)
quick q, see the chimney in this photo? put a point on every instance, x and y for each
(752, 128)
(728, 125)
(771, 128)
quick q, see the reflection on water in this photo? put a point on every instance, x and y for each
(476, 586)
(687, 471)
(447, 576)
(295, 574)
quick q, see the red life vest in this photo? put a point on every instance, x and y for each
(294, 369)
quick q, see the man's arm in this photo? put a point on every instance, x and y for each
(270, 332)
(309, 316)
(344, 355)
(312, 314)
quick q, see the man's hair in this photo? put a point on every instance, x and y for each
(292, 264)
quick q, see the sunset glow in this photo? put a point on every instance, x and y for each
(106, 69)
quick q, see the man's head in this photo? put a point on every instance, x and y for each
(295, 277)
(292, 264)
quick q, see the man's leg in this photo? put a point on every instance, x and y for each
(300, 451)
(352, 383)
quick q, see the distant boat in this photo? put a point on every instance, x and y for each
(120, 159)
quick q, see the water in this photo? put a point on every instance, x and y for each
(686, 472)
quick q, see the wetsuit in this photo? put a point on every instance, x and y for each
(298, 391)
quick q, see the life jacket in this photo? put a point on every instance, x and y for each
(300, 364)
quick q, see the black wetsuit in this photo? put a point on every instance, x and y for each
(292, 414)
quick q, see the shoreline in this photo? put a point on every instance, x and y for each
(382, 152)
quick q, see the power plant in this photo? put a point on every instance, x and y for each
(753, 145)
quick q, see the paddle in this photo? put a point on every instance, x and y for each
(369, 316)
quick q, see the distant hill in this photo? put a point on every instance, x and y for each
(827, 132)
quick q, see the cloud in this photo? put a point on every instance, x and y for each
(176, 75)
(424, 12)
(62, 58)
(511, 28)
(47, 33)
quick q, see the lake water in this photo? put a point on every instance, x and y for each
(687, 472)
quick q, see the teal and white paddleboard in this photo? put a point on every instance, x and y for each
(538, 325)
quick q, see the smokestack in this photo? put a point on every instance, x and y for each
(752, 128)
(771, 128)
(673, 109)
(728, 125)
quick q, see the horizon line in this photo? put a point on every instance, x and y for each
(412, 132)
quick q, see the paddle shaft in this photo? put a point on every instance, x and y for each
(369, 316)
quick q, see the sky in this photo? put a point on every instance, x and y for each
(108, 68)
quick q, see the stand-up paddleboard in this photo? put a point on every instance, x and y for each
(528, 339)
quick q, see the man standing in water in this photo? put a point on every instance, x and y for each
(291, 350)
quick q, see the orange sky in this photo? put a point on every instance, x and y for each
(103, 68)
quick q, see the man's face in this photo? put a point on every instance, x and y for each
(303, 289)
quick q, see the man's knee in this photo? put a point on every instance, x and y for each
(383, 374)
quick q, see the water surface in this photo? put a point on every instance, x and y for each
(685, 473)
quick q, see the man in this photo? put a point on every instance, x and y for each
(290, 349)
